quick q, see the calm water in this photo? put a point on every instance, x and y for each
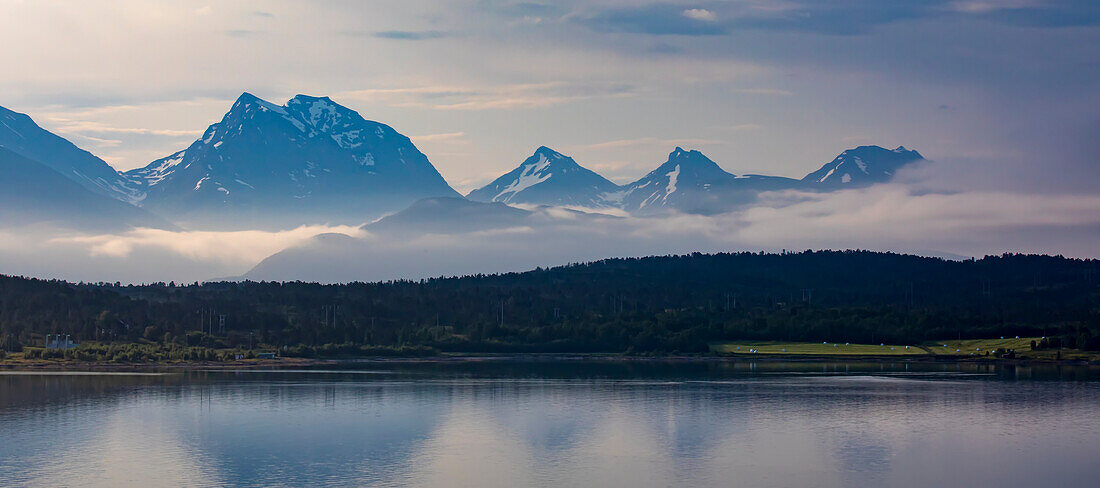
(557, 424)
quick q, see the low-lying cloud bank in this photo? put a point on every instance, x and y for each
(887, 217)
(896, 217)
(144, 255)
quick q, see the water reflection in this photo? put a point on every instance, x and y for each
(554, 424)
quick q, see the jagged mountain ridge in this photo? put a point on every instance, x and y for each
(687, 181)
(312, 160)
(308, 161)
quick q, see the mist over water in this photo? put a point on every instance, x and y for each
(556, 424)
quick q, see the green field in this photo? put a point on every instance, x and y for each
(968, 348)
(817, 349)
(978, 347)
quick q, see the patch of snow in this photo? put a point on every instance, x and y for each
(245, 184)
(348, 139)
(364, 160)
(198, 184)
(671, 188)
(265, 105)
(847, 178)
(297, 124)
(156, 174)
(827, 175)
(531, 175)
(615, 197)
(862, 165)
(12, 129)
(318, 112)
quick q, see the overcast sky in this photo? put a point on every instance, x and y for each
(1005, 89)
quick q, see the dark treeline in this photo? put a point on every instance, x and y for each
(672, 303)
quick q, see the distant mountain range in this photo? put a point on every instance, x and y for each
(312, 161)
(687, 182)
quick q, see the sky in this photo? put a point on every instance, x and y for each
(1005, 89)
(1001, 95)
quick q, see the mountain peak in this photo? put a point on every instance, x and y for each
(307, 161)
(862, 166)
(303, 98)
(550, 153)
(247, 102)
(547, 177)
(687, 181)
(690, 158)
(247, 97)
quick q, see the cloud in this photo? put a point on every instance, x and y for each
(410, 35)
(526, 10)
(741, 127)
(918, 214)
(100, 141)
(833, 18)
(700, 14)
(764, 91)
(446, 136)
(1030, 13)
(665, 48)
(242, 33)
(895, 215)
(235, 247)
(656, 19)
(502, 97)
(80, 127)
(649, 141)
(887, 217)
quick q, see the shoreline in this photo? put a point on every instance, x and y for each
(292, 363)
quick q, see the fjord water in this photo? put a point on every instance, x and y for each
(508, 423)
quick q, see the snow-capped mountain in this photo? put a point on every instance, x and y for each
(862, 166)
(548, 178)
(690, 182)
(308, 161)
(33, 193)
(21, 135)
(314, 161)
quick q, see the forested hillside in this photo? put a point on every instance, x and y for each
(671, 303)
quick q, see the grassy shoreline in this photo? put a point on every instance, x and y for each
(959, 350)
(20, 364)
